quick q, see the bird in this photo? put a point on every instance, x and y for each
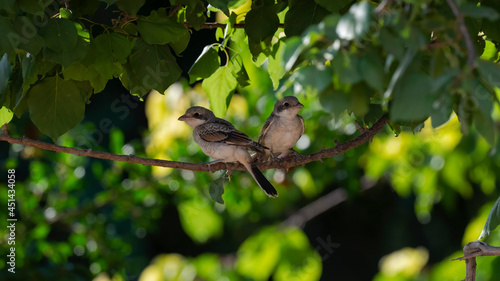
(219, 140)
(282, 129)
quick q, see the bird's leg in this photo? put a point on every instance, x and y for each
(209, 164)
(228, 174)
(294, 153)
(279, 158)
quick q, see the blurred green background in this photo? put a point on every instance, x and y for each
(398, 208)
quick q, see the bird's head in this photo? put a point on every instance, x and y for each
(288, 106)
(196, 116)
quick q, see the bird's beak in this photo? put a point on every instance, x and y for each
(299, 105)
(183, 118)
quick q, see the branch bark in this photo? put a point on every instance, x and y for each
(471, 251)
(213, 25)
(471, 53)
(204, 167)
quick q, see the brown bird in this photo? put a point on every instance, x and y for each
(282, 129)
(219, 140)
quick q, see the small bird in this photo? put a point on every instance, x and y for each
(282, 129)
(219, 139)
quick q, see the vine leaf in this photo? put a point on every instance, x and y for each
(302, 14)
(492, 221)
(56, 105)
(5, 72)
(6, 115)
(150, 67)
(219, 87)
(59, 34)
(261, 22)
(413, 98)
(158, 28)
(216, 190)
(205, 65)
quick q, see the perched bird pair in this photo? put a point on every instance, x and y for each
(219, 139)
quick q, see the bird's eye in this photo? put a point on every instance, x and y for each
(196, 114)
(286, 104)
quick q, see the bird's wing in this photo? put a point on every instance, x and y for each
(266, 127)
(225, 132)
(302, 125)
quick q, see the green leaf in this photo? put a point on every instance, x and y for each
(301, 15)
(158, 28)
(216, 190)
(80, 72)
(442, 110)
(205, 65)
(195, 14)
(5, 115)
(59, 34)
(346, 67)
(8, 44)
(275, 65)
(116, 141)
(333, 6)
(312, 77)
(56, 105)
(68, 57)
(261, 22)
(356, 22)
(150, 67)
(293, 49)
(485, 126)
(372, 71)
(181, 43)
(221, 5)
(490, 71)
(34, 6)
(109, 51)
(475, 11)
(109, 2)
(334, 102)
(199, 220)
(492, 221)
(5, 72)
(259, 251)
(29, 72)
(26, 35)
(413, 98)
(298, 260)
(130, 6)
(8, 5)
(219, 87)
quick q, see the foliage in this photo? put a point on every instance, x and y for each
(345, 60)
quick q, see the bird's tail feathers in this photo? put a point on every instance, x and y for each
(263, 182)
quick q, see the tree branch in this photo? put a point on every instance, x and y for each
(471, 251)
(204, 167)
(471, 53)
(213, 25)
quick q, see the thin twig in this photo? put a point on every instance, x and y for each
(175, 10)
(471, 251)
(213, 25)
(471, 53)
(203, 167)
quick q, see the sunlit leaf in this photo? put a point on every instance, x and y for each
(5, 115)
(205, 65)
(493, 220)
(219, 87)
(199, 219)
